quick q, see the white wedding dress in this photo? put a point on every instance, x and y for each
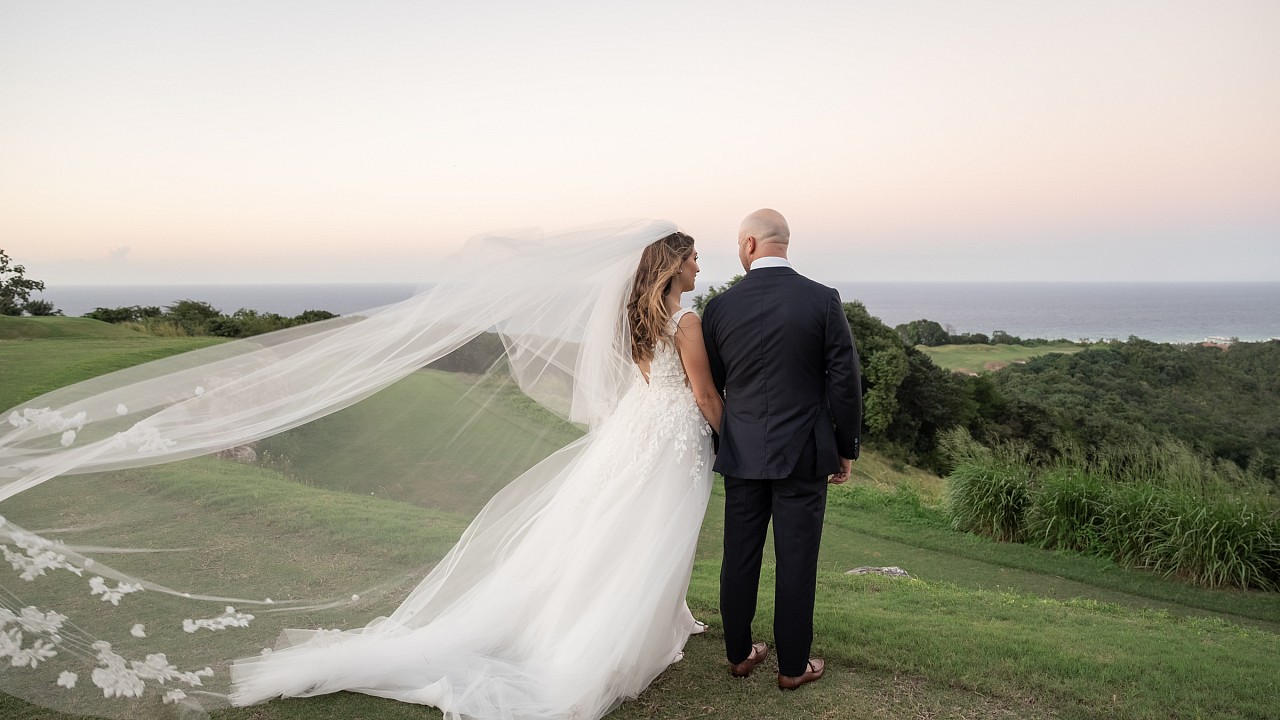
(566, 594)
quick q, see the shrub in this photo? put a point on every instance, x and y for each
(158, 327)
(1133, 523)
(310, 316)
(1218, 542)
(1163, 507)
(1156, 505)
(1066, 511)
(114, 315)
(41, 308)
(193, 316)
(988, 490)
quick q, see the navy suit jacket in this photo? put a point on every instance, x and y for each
(783, 358)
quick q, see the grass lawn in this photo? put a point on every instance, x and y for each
(987, 358)
(38, 355)
(896, 648)
(985, 630)
(46, 328)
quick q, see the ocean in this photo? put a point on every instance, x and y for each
(1159, 311)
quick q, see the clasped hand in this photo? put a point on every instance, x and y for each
(841, 476)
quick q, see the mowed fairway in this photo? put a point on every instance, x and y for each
(988, 358)
(985, 631)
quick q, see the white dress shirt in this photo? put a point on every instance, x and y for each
(769, 261)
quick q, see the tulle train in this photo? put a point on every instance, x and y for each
(564, 597)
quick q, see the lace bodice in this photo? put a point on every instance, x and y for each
(660, 415)
(665, 369)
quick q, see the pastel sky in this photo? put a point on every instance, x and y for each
(327, 141)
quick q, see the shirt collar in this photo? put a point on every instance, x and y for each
(769, 261)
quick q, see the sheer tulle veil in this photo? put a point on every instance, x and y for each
(166, 519)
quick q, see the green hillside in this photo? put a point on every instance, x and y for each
(45, 353)
(44, 328)
(984, 630)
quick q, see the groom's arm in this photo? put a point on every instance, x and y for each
(713, 349)
(844, 380)
(717, 365)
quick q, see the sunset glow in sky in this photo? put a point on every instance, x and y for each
(164, 142)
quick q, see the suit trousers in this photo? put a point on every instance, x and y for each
(796, 505)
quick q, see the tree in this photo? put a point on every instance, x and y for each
(310, 316)
(923, 332)
(884, 366)
(929, 400)
(15, 288)
(192, 315)
(1137, 392)
(700, 301)
(114, 315)
(41, 308)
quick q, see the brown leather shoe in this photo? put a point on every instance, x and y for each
(813, 672)
(759, 652)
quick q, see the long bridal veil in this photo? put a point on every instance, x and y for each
(166, 519)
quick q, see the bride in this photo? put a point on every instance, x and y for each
(148, 578)
(581, 600)
(562, 602)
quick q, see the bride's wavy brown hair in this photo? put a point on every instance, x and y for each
(647, 309)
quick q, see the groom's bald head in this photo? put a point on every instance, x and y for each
(763, 233)
(767, 226)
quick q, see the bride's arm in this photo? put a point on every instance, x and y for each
(693, 355)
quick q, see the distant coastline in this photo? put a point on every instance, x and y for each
(285, 299)
(1159, 311)
(1176, 312)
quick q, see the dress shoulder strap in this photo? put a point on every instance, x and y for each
(675, 319)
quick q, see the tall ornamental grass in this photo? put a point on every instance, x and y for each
(157, 327)
(1133, 520)
(1160, 506)
(988, 489)
(1066, 510)
(1181, 514)
(1219, 542)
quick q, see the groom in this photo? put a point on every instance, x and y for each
(783, 358)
